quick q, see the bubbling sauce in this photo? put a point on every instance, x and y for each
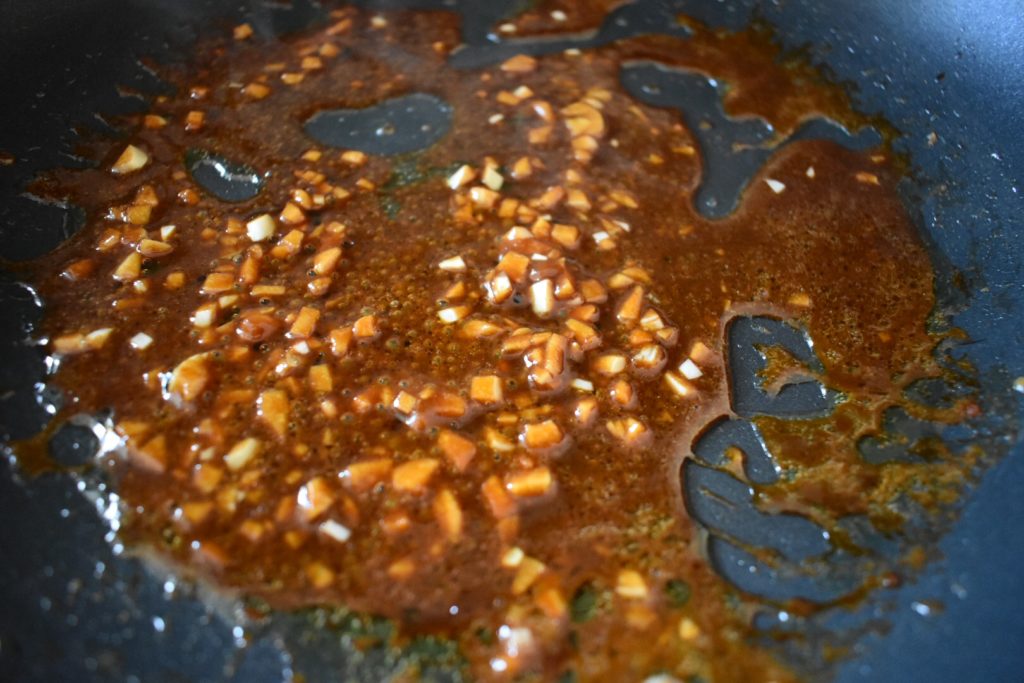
(448, 373)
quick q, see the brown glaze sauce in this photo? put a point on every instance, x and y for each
(384, 404)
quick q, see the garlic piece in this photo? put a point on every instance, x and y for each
(261, 228)
(131, 159)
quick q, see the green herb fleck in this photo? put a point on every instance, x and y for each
(390, 206)
(678, 592)
(584, 604)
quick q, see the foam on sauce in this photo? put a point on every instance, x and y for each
(455, 387)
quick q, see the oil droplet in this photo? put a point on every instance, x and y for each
(396, 126)
(226, 180)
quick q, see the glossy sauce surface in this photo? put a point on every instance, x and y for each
(456, 386)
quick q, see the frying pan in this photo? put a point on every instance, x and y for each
(75, 608)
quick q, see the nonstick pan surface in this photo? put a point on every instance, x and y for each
(73, 609)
